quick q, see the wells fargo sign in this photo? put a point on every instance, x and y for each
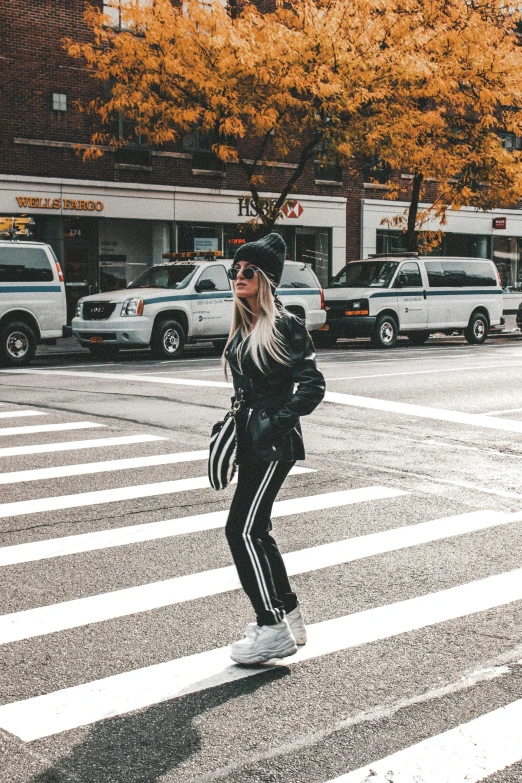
(79, 205)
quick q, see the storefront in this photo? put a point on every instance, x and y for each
(106, 234)
(467, 233)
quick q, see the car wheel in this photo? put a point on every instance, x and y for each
(168, 341)
(17, 344)
(323, 339)
(101, 351)
(219, 345)
(418, 338)
(477, 330)
(385, 332)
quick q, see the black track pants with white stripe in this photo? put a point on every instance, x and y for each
(258, 561)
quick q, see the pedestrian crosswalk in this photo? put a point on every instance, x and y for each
(95, 697)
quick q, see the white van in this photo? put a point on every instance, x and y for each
(32, 300)
(183, 301)
(387, 295)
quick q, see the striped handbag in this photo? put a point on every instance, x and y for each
(222, 452)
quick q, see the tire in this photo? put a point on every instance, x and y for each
(386, 332)
(101, 351)
(476, 332)
(323, 339)
(168, 340)
(418, 338)
(219, 345)
(17, 344)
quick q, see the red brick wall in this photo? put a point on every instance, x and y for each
(34, 64)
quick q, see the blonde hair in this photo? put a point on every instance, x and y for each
(264, 340)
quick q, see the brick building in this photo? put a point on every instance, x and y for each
(110, 218)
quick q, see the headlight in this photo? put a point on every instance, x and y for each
(358, 307)
(79, 309)
(132, 307)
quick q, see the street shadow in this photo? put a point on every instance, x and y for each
(142, 747)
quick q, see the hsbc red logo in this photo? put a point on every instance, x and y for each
(292, 209)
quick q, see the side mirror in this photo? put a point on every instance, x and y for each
(205, 285)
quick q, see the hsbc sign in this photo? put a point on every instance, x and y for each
(247, 208)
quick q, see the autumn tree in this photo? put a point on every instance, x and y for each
(286, 85)
(444, 122)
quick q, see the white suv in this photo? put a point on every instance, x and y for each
(32, 300)
(181, 302)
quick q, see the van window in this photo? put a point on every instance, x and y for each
(479, 273)
(218, 276)
(165, 276)
(435, 274)
(365, 274)
(409, 276)
(298, 276)
(24, 265)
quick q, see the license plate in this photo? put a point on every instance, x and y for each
(96, 339)
(324, 328)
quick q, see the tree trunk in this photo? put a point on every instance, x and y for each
(412, 235)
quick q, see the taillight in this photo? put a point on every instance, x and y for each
(321, 294)
(60, 273)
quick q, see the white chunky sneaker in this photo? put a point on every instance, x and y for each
(297, 625)
(263, 642)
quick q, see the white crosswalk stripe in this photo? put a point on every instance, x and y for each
(66, 709)
(121, 603)
(36, 428)
(102, 496)
(17, 414)
(470, 751)
(150, 531)
(77, 445)
(132, 463)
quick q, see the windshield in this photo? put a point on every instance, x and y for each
(165, 276)
(366, 274)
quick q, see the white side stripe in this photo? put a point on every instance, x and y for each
(16, 414)
(101, 467)
(122, 603)
(43, 716)
(30, 430)
(127, 377)
(150, 531)
(457, 417)
(73, 445)
(470, 753)
(109, 495)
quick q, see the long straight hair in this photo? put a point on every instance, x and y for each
(264, 340)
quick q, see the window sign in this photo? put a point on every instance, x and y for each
(206, 243)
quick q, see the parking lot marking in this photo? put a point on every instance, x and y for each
(33, 429)
(82, 499)
(62, 471)
(470, 752)
(44, 620)
(81, 705)
(151, 531)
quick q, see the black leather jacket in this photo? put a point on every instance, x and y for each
(268, 427)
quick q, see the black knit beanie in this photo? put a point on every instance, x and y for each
(268, 254)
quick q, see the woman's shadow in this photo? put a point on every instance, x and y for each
(142, 747)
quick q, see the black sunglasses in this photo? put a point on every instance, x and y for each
(248, 272)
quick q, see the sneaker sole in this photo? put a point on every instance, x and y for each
(263, 658)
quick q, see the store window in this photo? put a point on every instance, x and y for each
(461, 245)
(312, 245)
(199, 236)
(506, 255)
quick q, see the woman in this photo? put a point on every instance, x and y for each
(268, 351)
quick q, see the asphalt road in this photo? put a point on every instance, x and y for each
(107, 676)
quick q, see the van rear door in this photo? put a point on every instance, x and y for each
(29, 281)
